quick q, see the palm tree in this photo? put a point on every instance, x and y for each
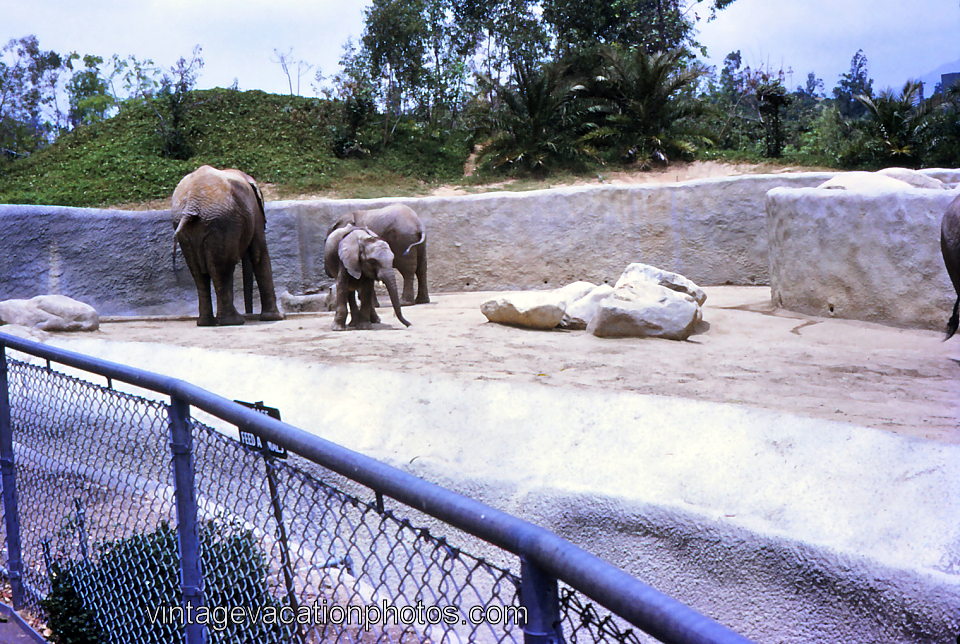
(533, 125)
(642, 105)
(898, 122)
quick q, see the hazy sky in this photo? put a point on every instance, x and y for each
(901, 38)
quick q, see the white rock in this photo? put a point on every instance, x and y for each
(643, 309)
(25, 332)
(580, 312)
(574, 291)
(864, 182)
(534, 309)
(50, 313)
(646, 274)
(531, 309)
(311, 302)
(914, 178)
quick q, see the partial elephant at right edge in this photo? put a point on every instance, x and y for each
(402, 229)
(950, 247)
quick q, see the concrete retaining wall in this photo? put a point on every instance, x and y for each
(860, 255)
(713, 231)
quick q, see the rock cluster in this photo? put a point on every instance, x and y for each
(645, 302)
(50, 313)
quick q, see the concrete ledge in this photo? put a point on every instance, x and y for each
(787, 529)
(871, 256)
(713, 231)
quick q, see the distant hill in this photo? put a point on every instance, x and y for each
(286, 140)
(930, 79)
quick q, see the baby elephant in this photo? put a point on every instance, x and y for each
(355, 257)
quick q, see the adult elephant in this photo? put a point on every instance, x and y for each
(219, 221)
(356, 258)
(402, 229)
(950, 247)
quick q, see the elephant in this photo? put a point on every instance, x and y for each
(950, 247)
(356, 257)
(402, 229)
(219, 220)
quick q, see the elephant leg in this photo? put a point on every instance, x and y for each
(366, 305)
(227, 313)
(263, 271)
(247, 267)
(344, 295)
(354, 309)
(204, 302)
(422, 296)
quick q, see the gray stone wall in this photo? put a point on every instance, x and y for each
(713, 231)
(860, 255)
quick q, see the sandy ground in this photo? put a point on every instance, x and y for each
(901, 380)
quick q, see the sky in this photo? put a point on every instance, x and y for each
(240, 39)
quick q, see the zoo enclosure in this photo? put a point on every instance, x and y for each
(93, 478)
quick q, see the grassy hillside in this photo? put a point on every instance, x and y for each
(284, 140)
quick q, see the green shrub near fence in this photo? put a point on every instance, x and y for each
(122, 593)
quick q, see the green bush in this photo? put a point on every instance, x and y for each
(116, 598)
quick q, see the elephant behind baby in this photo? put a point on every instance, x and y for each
(402, 229)
(356, 258)
(950, 247)
(220, 221)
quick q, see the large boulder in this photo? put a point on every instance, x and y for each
(649, 302)
(534, 309)
(50, 313)
(579, 312)
(914, 178)
(865, 182)
(645, 274)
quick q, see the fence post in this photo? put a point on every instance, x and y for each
(8, 481)
(188, 538)
(538, 595)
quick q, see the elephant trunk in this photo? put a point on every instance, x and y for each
(390, 281)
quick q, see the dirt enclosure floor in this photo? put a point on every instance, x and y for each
(900, 380)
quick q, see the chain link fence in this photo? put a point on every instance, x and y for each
(288, 550)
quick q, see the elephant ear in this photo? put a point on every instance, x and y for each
(331, 260)
(349, 252)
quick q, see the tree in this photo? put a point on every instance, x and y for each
(174, 104)
(645, 105)
(29, 79)
(855, 82)
(897, 123)
(393, 37)
(655, 25)
(532, 127)
(88, 92)
(290, 65)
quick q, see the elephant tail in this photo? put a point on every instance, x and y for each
(176, 234)
(954, 321)
(423, 238)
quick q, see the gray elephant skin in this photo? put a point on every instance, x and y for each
(402, 229)
(220, 221)
(355, 257)
(950, 246)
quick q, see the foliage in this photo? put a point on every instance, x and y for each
(114, 596)
(533, 127)
(942, 137)
(853, 83)
(654, 25)
(897, 124)
(29, 115)
(173, 106)
(643, 106)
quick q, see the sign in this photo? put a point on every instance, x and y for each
(253, 441)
